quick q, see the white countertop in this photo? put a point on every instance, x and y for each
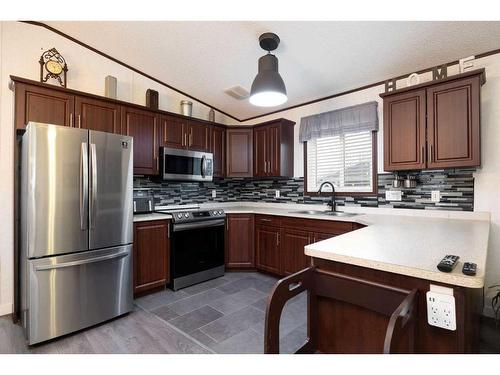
(402, 241)
(151, 217)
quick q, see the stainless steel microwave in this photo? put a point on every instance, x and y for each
(186, 165)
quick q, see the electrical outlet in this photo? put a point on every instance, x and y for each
(214, 193)
(441, 309)
(276, 193)
(435, 196)
(393, 195)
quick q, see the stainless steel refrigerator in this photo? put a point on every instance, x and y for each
(76, 229)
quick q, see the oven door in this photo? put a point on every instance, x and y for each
(186, 165)
(197, 247)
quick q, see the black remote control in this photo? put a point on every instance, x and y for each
(469, 269)
(448, 263)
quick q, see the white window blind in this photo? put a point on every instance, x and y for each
(346, 160)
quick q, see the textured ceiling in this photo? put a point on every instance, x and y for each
(316, 58)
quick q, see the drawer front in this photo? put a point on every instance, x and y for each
(71, 292)
(268, 220)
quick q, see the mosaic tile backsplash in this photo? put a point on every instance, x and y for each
(456, 187)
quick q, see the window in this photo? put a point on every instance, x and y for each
(347, 160)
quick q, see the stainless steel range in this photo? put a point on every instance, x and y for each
(197, 245)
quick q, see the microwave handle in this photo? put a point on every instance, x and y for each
(203, 165)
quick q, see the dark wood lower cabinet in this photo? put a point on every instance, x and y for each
(348, 328)
(275, 244)
(293, 245)
(151, 255)
(267, 248)
(240, 252)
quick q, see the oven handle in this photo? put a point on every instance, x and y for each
(197, 225)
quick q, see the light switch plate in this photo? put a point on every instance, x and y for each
(214, 193)
(277, 193)
(435, 196)
(441, 310)
(393, 195)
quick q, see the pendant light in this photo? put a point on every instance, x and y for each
(268, 88)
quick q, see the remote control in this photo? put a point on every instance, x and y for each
(448, 263)
(469, 269)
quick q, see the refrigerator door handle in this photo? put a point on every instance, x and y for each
(80, 262)
(84, 186)
(93, 189)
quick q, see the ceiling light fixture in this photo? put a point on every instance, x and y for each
(268, 88)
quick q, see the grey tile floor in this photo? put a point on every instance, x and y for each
(224, 315)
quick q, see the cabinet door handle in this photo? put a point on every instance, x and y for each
(190, 137)
(422, 152)
(432, 153)
(168, 230)
(79, 121)
(277, 239)
(266, 220)
(429, 156)
(71, 120)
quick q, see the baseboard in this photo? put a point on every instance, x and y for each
(5, 309)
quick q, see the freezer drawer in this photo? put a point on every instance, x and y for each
(71, 292)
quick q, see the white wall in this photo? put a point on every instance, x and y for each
(487, 178)
(20, 48)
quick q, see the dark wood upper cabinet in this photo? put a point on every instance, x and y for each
(218, 148)
(435, 124)
(97, 115)
(267, 248)
(240, 251)
(151, 255)
(273, 149)
(143, 126)
(453, 124)
(404, 131)
(239, 155)
(198, 136)
(183, 133)
(260, 151)
(173, 133)
(40, 104)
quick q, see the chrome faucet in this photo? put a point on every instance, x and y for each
(333, 204)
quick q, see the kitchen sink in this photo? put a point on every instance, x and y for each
(330, 213)
(339, 213)
(309, 212)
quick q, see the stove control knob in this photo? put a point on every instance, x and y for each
(215, 212)
(186, 215)
(220, 212)
(179, 216)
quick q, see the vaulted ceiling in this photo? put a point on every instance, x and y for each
(316, 59)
